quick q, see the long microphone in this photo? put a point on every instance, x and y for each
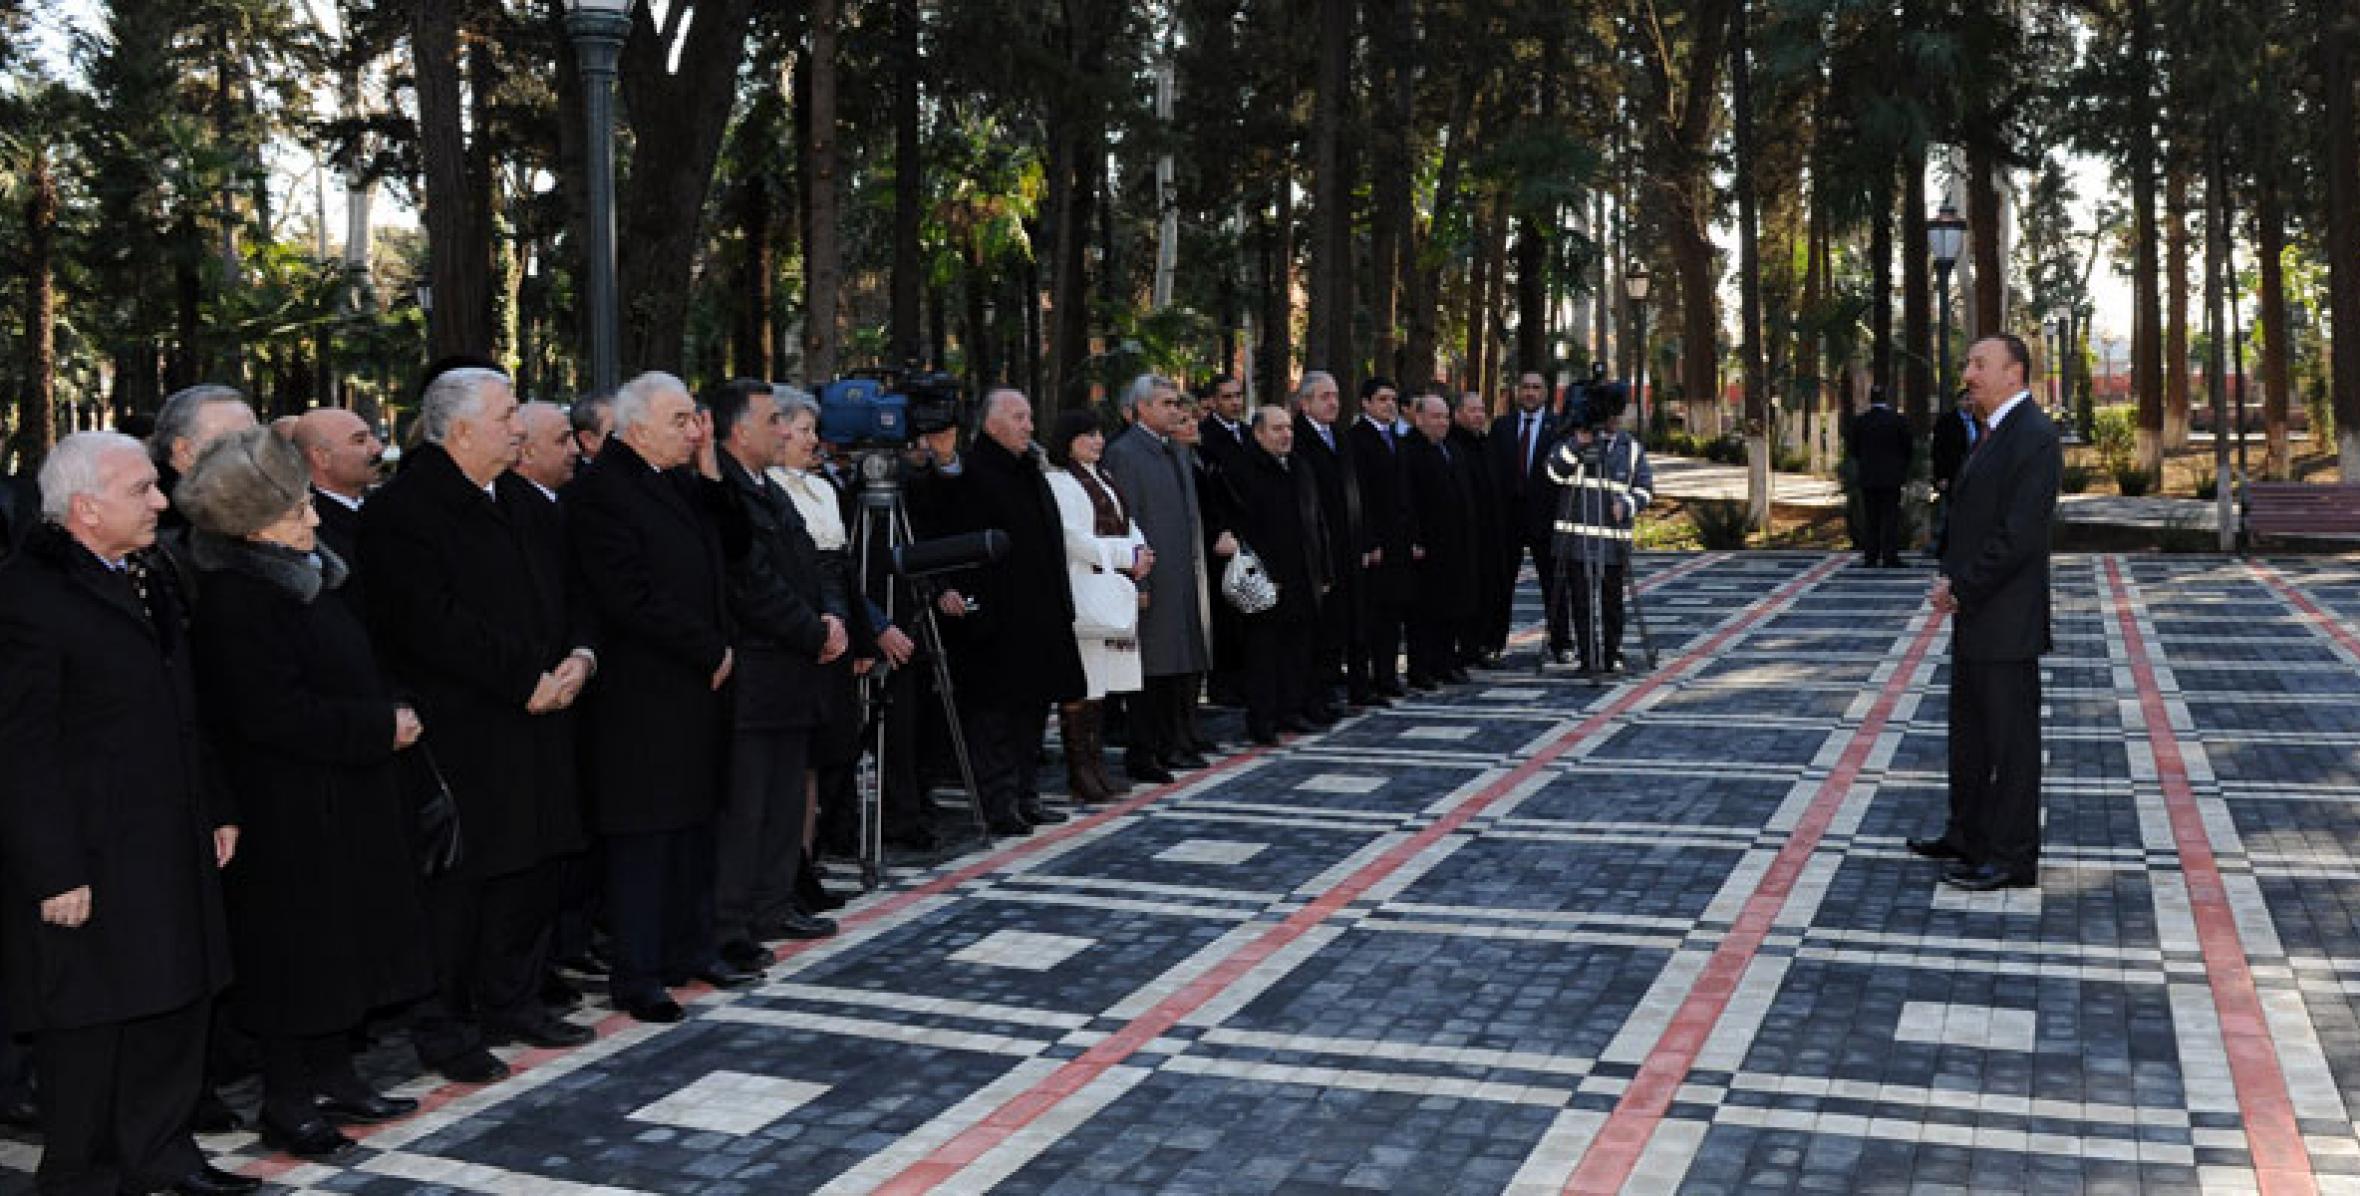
(948, 554)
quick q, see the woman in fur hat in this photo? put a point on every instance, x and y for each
(325, 919)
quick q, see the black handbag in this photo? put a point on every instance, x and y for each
(434, 813)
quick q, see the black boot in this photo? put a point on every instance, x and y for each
(813, 896)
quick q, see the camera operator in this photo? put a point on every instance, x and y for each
(1607, 481)
(1015, 655)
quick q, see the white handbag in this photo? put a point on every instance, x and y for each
(1105, 605)
(1247, 585)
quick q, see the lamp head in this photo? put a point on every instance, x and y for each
(1946, 234)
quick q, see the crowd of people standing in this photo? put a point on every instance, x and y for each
(297, 755)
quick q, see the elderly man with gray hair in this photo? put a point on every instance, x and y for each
(479, 630)
(647, 546)
(1157, 480)
(113, 942)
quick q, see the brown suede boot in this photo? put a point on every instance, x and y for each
(1094, 733)
(1083, 764)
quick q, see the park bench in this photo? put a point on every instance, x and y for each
(2302, 511)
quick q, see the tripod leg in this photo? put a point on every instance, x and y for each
(932, 631)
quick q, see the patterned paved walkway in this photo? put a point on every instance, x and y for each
(1531, 936)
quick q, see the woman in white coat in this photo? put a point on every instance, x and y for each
(1105, 555)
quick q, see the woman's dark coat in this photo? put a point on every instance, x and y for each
(647, 547)
(468, 606)
(105, 781)
(1446, 524)
(1019, 650)
(1279, 518)
(325, 918)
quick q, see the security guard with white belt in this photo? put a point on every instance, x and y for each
(1607, 480)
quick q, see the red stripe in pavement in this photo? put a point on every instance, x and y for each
(956, 1155)
(2294, 596)
(2281, 1164)
(1614, 1152)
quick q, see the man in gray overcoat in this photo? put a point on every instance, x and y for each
(1158, 483)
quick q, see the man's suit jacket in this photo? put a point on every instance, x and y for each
(340, 530)
(1527, 498)
(1881, 448)
(1997, 551)
(1337, 482)
(1388, 520)
(1949, 449)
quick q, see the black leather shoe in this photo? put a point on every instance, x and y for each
(477, 1066)
(1147, 771)
(537, 1028)
(377, 1107)
(1038, 814)
(749, 957)
(1295, 724)
(1009, 825)
(209, 1180)
(1262, 736)
(718, 974)
(1393, 689)
(795, 926)
(1207, 747)
(1983, 878)
(659, 1013)
(1458, 676)
(1936, 849)
(314, 1139)
(1189, 761)
(1563, 655)
(1423, 684)
(213, 1115)
(1320, 718)
(1370, 700)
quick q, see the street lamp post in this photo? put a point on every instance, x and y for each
(1635, 284)
(1945, 234)
(598, 29)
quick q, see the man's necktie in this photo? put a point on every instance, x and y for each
(1524, 447)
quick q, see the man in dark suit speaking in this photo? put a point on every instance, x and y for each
(1995, 585)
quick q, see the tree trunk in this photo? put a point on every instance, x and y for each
(1918, 400)
(2270, 229)
(1478, 292)
(1278, 287)
(1421, 267)
(909, 165)
(458, 236)
(1328, 340)
(754, 286)
(36, 412)
(2343, 227)
(1880, 294)
(823, 261)
(1984, 235)
(974, 337)
(1390, 215)
(677, 121)
(2175, 305)
(1808, 358)
(1749, 278)
(2146, 341)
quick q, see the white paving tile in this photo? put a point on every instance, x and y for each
(2014, 902)
(1982, 1027)
(1444, 732)
(1211, 851)
(1342, 782)
(730, 1102)
(1025, 949)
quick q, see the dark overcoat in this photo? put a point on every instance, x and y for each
(105, 781)
(647, 547)
(1337, 483)
(2002, 507)
(340, 530)
(776, 598)
(1388, 520)
(325, 915)
(1156, 477)
(468, 606)
(1280, 517)
(1437, 489)
(1471, 452)
(1019, 650)
(1881, 448)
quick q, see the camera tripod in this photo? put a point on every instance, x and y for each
(1587, 505)
(882, 524)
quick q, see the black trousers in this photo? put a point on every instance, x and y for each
(1611, 579)
(1336, 639)
(1544, 562)
(1004, 745)
(1880, 524)
(659, 895)
(116, 1100)
(1376, 661)
(1158, 716)
(1278, 671)
(1433, 648)
(297, 1069)
(758, 835)
(577, 878)
(1995, 763)
(491, 946)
